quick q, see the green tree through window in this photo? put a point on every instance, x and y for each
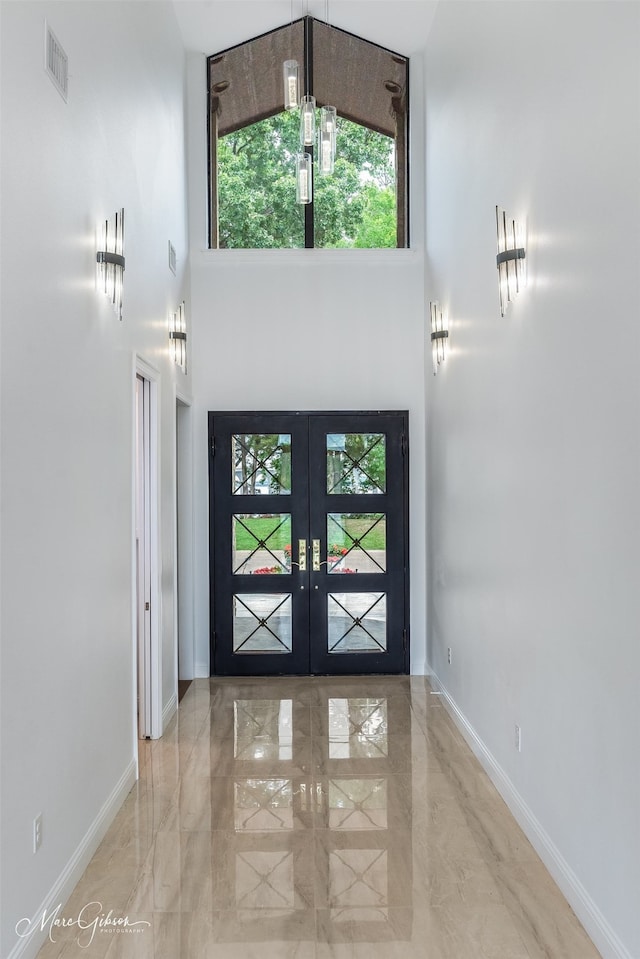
(354, 207)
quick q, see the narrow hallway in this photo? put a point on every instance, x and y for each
(316, 817)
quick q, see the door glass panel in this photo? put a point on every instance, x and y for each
(357, 622)
(262, 623)
(261, 543)
(356, 542)
(356, 463)
(261, 464)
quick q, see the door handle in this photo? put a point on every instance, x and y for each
(316, 556)
(302, 556)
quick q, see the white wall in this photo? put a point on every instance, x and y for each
(357, 344)
(68, 719)
(534, 442)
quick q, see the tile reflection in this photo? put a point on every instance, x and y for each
(257, 872)
(358, 728)
(358, 877)
(357, 803)
(263, 729)
(301, 837)
(264, 880)
(263, 805)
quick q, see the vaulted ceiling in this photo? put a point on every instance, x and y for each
(208, 26)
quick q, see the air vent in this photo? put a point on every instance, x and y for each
(56, 62)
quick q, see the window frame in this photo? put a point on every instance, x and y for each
(399, 109)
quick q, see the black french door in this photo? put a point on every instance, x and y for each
(308, 543)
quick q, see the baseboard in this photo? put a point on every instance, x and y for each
(28, 947)
(418, 668)
(169, 710)
(595, 924)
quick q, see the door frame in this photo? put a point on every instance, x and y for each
(152, 686)
(404, 413)
(184, 541)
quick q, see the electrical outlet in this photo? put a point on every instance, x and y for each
(449, 654)
(518, 739)
(37, 832)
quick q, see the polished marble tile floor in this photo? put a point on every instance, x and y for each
(316, 817)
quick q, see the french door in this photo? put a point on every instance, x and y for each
(308, 543)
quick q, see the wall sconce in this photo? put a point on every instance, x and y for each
(111, 260)
(178, 336)
(439, 336)
(512, 274)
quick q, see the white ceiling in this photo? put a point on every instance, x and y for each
(209, 26)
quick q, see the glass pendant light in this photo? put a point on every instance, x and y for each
(307, 120)
(304, 181)
(290, 77)
(327, 139)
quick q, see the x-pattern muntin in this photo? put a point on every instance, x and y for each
(264, 878)
(356, 542)
(357, 621)
(262, 623)
(262, 543)
(260, 464)
(357, 464)
(359, 877)
(264, 805)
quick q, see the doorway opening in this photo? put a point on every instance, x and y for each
(146, 588)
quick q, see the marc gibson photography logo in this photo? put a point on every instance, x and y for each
(90, 920)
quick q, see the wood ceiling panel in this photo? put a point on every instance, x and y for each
(247, 79)
(367, 79)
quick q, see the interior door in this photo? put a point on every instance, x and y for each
(309, 543)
